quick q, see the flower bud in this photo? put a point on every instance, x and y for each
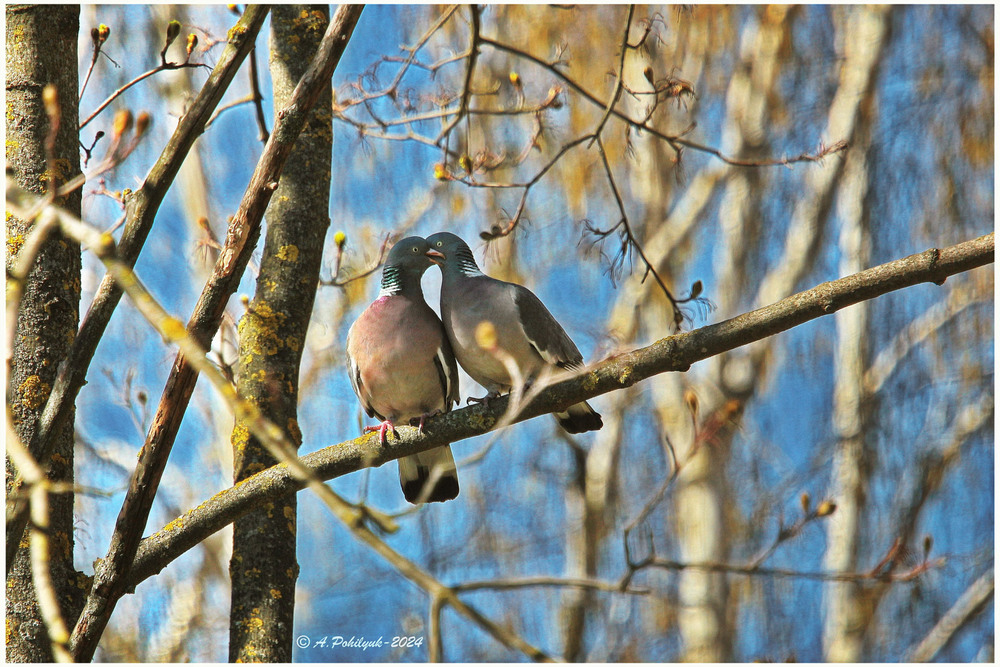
(142, 123)
(826, 508)
(173, 29)
(122, 122)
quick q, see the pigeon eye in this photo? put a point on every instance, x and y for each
(439, 243)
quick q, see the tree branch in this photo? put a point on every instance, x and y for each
(972, 600)
(676, 142)
(142, 209)
(619, 77)
(674, 353)
(110, 576)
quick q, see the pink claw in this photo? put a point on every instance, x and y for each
(382, 428)
(484, 400)
(422, 418)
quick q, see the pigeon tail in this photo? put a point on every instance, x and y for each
(580, 418)
(429, 477)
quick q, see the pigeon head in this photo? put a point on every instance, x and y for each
(452, 254)
(406, 262)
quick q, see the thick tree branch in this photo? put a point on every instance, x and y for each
(674, 353)
(142, 209)
(110, 575)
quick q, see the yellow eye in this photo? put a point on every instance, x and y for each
(439, 243)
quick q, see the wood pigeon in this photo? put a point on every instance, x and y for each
(402, 368)
(524, 329)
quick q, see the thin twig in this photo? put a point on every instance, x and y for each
(258, 99)
(364, 273)
(619, 77)
(633, 241)
(752, 570)
(546, 582)
(226, 107)
(469, 71)
(145, 75)
(674, 141)
(435, 647)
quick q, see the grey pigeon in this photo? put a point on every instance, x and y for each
(524, 329)
(402, 368)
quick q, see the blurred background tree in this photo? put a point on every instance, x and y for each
(814, 479)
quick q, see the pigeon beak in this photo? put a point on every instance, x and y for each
(435, 256)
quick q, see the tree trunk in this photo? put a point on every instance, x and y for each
(847, 616)
(263, 568)
(41, 50)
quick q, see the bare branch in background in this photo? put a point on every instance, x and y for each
(675, 353)
(964, 610)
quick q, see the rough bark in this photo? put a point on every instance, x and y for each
(41, 50)
(141, 207)
(263, 568)
(241, 238)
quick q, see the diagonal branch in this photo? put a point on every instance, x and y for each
(633, 242)
(110, 576)
(965, 608)
(674, 353)
(142, 208)
(619, 77)
(469, 71)
(164, 67)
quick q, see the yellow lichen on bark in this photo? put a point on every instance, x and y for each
(288, 253)
(33, 392)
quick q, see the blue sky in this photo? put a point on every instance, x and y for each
(518, 490)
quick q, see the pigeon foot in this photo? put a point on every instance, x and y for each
(419, 421)
(484, 400)
(382, 429)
